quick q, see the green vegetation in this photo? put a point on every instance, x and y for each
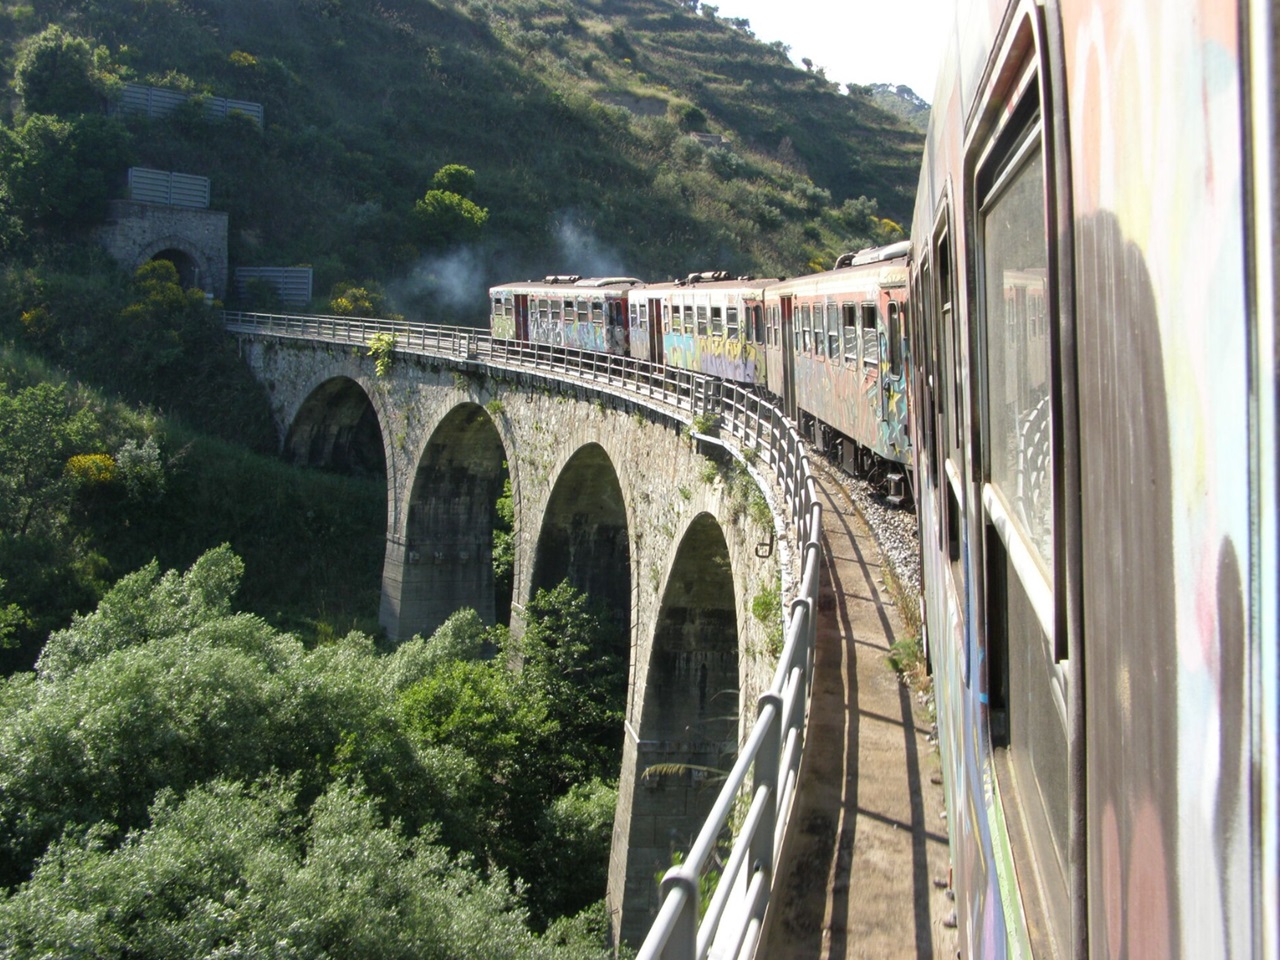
(437, 146)
(382, 347)
(184, 777)
(766, 606)
(178, 778)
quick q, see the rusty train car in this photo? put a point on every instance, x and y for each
(565, 311)
(829, 346)
(1093, 343)
(837, 358)
(712, 323)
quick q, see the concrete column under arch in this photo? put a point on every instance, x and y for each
(687, 729)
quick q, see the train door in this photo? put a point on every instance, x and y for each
(655, 330)
(891, 361)
(522, 316)
(620, 341)
(788, 358)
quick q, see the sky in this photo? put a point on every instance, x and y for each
(855, 41)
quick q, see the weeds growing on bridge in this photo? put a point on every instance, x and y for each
(382, 347)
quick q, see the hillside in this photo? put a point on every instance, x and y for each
(574, 116)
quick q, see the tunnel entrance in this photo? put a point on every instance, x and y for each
(186, 265)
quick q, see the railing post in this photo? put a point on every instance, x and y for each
(683, 942)
(765, 773)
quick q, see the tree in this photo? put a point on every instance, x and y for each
(454, 178)
(156, 330)
(41, 427)
(570, 658)
(57, 73)
(58, 174)
(445, 218)
(254, 870)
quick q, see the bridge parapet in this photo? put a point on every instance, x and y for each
(747, 426)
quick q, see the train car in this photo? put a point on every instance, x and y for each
(837, 358)
(1093, 335)
(565, 311)
(711, 323)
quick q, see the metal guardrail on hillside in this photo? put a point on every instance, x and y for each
(731, 924)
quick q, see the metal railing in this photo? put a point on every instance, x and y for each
(768, 764)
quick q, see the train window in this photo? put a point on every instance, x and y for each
(688, 319)
(666, 318)
(544, 310)
(1019, 431)
(757, 323)
(584, 310)
(833, 331)
(849, 319)
(717, 322)
(555, 311)
(731, 322)
(642, 313)
(870, 337)
(597, 312)
(1016, 447)
(806, 328)
(893, 327)
(702, 321)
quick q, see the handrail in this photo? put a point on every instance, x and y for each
(774, 747)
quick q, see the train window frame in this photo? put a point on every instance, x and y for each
(852, 339)
(833, 331)
(717, 321)
(666, 318)
(597, 311)
(806, 328)
(642, 313)
(894, 326)
(731, 323)
(700, 311)
(869, 310)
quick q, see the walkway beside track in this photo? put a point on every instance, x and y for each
(868, 839)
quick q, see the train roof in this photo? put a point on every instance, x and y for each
(567, 282)
(718, 280)
(867, 255)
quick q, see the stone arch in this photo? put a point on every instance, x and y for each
(584, 535)
(448, 528)
(337, 428)
(692, 683)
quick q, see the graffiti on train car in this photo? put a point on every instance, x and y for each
(733, 359)
(503, 326)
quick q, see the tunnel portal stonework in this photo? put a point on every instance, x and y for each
(604, 491)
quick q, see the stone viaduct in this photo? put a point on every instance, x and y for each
(611, 492)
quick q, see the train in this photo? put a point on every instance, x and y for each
(830, 347)
(1072, 364)
(1093, 378)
